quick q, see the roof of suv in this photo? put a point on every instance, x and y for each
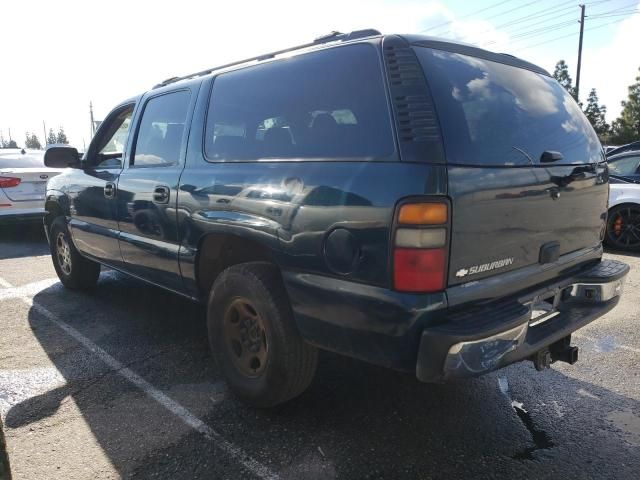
(339, 39)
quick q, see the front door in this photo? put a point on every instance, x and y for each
(147, 190)
(93, 222)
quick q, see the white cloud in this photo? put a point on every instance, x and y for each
(57, 56)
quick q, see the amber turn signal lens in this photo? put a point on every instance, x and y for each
(423, 214)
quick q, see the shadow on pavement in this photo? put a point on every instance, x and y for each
(356, 420)
(19, 240)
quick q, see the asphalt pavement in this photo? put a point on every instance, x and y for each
(119, 383)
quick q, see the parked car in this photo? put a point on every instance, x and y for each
(23, 179)
(419, 204)
(625, 166)
(608, 148)
(623, 223)
(633, 146)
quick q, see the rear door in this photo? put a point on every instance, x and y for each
(524, 165)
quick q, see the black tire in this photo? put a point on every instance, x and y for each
(623, 227)
(74, 271)
(289, 362)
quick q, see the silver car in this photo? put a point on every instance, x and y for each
(23, 181)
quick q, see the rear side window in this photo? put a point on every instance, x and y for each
(159, 139)
(322, 105)
(497, 114)
(624, 166)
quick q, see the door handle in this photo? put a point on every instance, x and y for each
(161, 194)
(110, 190)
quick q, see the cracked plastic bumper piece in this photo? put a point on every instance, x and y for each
(492, 336)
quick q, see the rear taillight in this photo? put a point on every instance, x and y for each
(8, 182)
(420, 247)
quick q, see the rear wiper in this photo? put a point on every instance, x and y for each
(525, 154)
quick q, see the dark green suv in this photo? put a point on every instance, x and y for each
(416, 203)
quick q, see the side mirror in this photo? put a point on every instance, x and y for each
(61, 156)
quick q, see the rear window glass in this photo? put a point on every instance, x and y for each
(321, 105)
(497, 114)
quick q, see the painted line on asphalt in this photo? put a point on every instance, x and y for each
(167, 402)
(29, 289)
(617, 345)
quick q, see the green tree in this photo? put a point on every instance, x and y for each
(51, 137)
(62, 137)
(627, 127)
(561, 74)
(31, 141)
(596, 115)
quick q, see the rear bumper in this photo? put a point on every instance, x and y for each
(496, 334)
(15, 215)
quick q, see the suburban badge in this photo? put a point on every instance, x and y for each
(485, 267)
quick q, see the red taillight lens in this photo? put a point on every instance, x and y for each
(418, 269)
(8, 182)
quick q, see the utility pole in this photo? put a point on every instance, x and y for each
(93, 125)
(44, 129)
(579, 53)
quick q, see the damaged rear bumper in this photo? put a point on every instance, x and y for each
(497, 334)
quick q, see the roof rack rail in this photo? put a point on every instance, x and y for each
(330, 37)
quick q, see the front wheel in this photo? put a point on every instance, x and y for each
(253, 336)
(623, 227)
(74, 271)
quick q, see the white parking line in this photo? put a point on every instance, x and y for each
(174, 407)
(617, 345)
(28, 290)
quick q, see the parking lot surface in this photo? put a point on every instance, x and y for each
(119, 382)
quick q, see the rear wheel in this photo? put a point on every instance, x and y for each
(623, 227)
(74, 271)
(253, 336)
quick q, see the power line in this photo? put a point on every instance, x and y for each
(466, 16)
(558, 26)
(569, 35)
(500, 14)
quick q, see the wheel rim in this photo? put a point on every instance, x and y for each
(624, 228)
(246, 338)
(63, 253)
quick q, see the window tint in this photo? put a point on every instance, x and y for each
(328, 104)
(496, 114)
(161, 129)
(624, 166)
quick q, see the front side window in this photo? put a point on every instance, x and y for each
(112, 142)
(321, 105)
(624, 166)
(161, 130)
(501, 115)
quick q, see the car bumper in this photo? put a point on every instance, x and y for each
(472, 343)
(15, 215)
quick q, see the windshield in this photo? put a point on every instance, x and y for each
(497, 114)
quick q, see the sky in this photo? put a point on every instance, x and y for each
(58, 56)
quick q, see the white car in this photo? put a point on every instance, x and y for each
(623, 222)
(23, 181)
